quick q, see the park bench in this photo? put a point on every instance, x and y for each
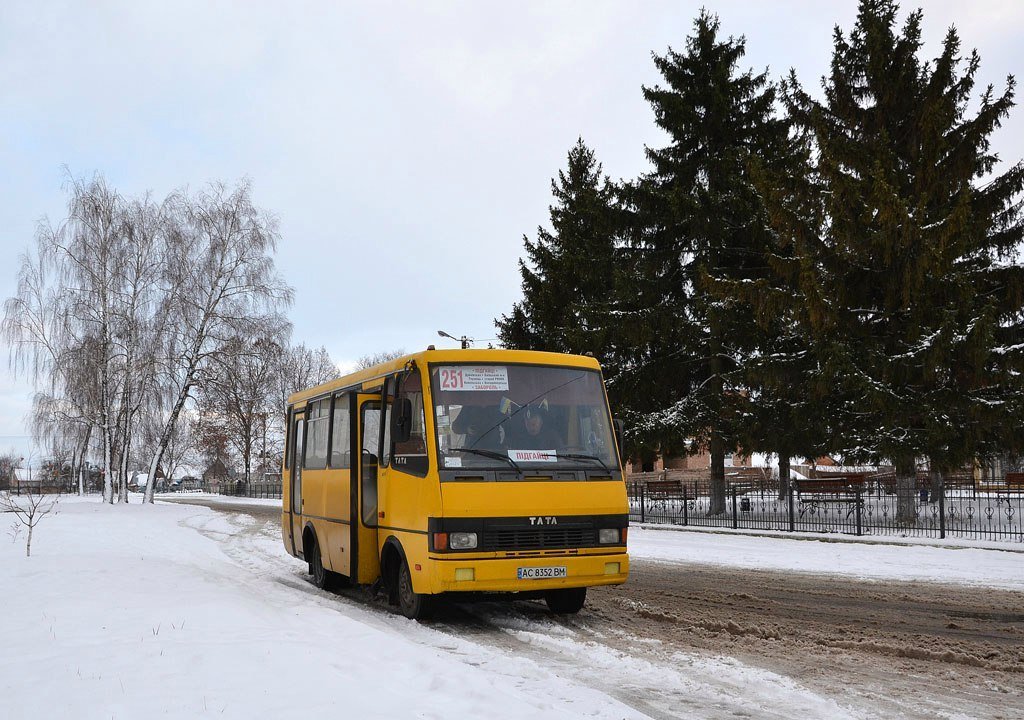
(816, 493)
(1014, 485)
(664, 489)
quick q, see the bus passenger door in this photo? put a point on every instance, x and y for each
(364, 492)
(295, 480)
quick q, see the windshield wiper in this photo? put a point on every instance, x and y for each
(581, 456)
(490, 454)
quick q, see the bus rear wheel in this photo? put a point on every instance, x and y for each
(566, 602)
(413, 605)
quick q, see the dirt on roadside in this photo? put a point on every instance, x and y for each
(912, 649)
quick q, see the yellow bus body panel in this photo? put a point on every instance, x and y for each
(529, 499)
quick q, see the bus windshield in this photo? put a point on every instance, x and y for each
(501, 416)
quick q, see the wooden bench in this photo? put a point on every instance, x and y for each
(827, 485)
(659, 493)
(664, 489)
(815, 493)
(1014, 485)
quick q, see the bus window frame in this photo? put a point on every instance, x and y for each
(616, 469)
(406, 470)
(384, 458)
(361, 410)
(305, 440)
(335, 396)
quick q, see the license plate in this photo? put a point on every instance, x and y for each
(540, 573)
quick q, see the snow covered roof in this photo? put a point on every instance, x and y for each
(186, 471)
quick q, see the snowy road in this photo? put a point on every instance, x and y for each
(696, 640)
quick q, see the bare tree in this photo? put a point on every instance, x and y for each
(220, 264)
(181, 449)
(127, 306)
(29, 509)
(367, 361)
(138, 322)
(239, 390)
(301, 367)
(58, 321)
(88, 252)
(8, 461)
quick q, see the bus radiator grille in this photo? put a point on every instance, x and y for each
(540, 538)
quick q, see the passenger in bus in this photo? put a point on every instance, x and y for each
(535, 432)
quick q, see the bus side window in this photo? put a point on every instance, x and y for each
(341, 439)
(316, 434)
(368, 463)
(411, 456)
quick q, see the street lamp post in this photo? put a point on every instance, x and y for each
(466, 341)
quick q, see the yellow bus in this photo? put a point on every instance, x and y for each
(449, 472)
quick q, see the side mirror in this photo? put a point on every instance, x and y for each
(620, 428)
(401, 420)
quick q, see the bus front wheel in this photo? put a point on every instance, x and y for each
(566, 602)
(413, 605)
(322, 577)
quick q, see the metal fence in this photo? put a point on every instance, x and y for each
(986, 513)
(270, 490)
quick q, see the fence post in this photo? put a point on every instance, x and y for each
(735, 519)
(686, 503)
(942, 508)
(789, 504)
(643, 502)
(856, 501)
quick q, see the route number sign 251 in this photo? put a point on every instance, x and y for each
(473, 379)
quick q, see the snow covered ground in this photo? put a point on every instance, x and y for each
(986, 564)
(179, 611)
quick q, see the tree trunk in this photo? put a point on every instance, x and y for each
(125, 459)
(784, 473)
(82, 460)
(165, 437)
(935, 477)
(906, 491)
(108, 488)
(717, 505)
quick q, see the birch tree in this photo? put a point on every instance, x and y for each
(220, 266)
(60, 320)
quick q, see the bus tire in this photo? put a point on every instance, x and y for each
(413, 605)
(322, 577)
(566, 602)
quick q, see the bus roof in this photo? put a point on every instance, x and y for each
(368, 378)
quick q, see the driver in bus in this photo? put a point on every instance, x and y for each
(537, 432)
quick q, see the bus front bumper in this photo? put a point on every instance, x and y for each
(504, 574)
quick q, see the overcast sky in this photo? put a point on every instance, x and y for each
(405, 147)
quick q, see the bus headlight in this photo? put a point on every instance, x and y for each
(608, 536)
(462, 540)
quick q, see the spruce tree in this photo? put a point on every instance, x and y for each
(571, 273)
(698, 223)
(912, 301)
(568, 282)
